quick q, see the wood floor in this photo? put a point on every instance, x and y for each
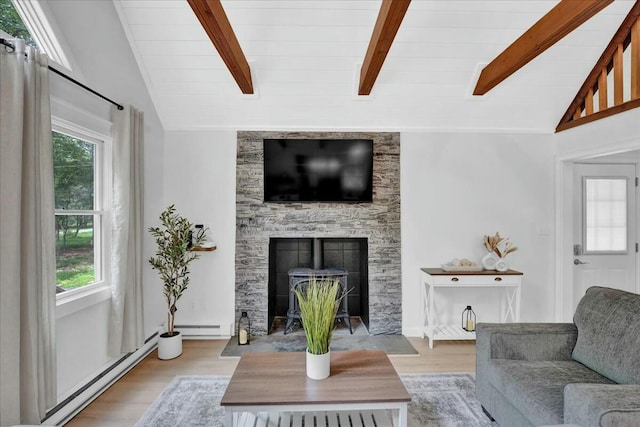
(125, 402)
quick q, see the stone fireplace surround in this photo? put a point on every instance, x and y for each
(379, 222)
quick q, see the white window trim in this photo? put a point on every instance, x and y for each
(37, 17)
(69, 302)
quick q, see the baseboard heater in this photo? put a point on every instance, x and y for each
(73, 404)
(203, 331)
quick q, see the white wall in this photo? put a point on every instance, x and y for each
(458, 187)
(200, 177)
(82, 346)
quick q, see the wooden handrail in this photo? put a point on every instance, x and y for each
(611, 60)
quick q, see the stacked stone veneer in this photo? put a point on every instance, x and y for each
(379, 222)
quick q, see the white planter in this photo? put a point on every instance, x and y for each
(169, 347)
(318, 365)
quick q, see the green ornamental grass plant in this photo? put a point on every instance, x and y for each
(319, 300)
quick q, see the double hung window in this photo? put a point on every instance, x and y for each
(80, 209)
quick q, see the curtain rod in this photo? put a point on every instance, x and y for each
(71, 79)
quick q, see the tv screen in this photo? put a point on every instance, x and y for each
(318, 170)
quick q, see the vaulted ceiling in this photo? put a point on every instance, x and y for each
(305, 58)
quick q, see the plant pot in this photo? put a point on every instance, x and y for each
(169, 346)
(318, 365)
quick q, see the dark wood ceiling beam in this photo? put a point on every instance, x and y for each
(214, 20)
(611, 58)
(389, 19)
(565, 17)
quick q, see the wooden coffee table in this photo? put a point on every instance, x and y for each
(276, 385)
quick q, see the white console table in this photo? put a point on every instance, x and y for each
(434, 280)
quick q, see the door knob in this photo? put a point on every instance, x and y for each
(578, 262)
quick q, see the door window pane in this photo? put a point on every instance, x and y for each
(605, 214)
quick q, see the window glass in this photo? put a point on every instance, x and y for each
(74, 164)
(11, 22)
(78, 221)
(26, 19)
(605, 215)
(74, 251)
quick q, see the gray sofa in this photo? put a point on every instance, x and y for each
(585, 373)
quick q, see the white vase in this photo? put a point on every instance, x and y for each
(489, 261)
(169, 347)
(318, 365)
(501, 265)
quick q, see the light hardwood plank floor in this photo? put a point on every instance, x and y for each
(125, 402)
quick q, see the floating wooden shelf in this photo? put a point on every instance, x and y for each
(201, 249)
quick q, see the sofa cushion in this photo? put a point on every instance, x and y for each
(608, 322)
(536, 388)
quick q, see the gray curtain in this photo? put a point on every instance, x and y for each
(27, 257)
(126, 329)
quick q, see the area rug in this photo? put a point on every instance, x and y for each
(438, 400)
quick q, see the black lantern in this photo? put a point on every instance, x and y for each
(468, 319)
(244, 329)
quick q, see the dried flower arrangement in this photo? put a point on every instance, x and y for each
(502, 246)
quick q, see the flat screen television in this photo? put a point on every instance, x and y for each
(318, 170)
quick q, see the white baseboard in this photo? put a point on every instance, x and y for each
(205, 337)
(84, 398)
(204, 331)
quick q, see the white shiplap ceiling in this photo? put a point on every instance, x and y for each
(305, 57)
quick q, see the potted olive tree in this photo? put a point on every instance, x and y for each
(319, 300)
(173, 256)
